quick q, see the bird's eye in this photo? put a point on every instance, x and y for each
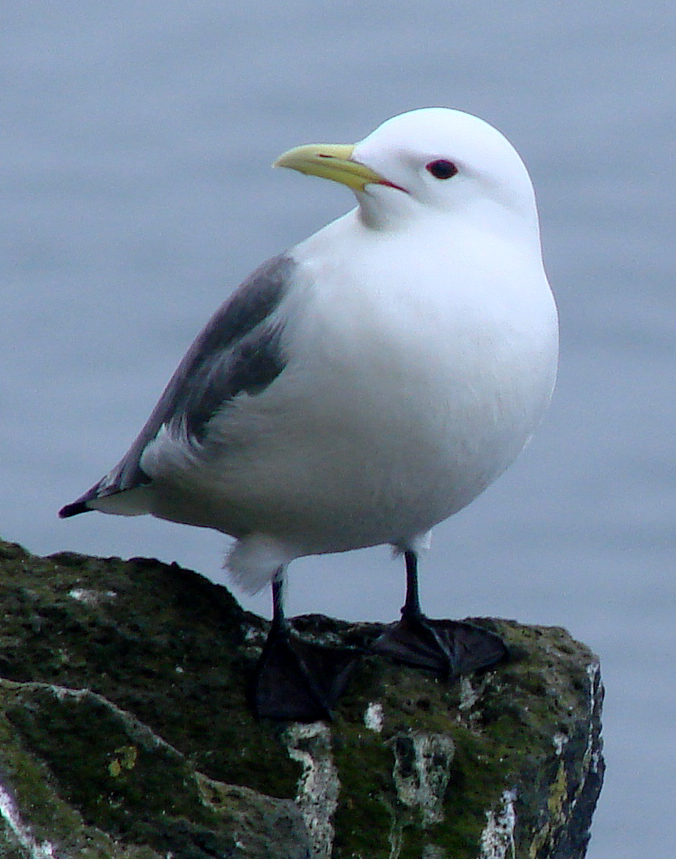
(442, 169)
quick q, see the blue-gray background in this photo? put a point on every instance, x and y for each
(135, 144)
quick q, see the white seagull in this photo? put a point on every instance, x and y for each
(363, 386)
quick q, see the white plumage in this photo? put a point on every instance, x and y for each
(374, 379)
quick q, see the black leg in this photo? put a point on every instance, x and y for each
(411, 608)
(279, 622)
(297, 680)
(448, 647)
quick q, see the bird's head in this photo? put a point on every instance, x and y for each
(429, 162)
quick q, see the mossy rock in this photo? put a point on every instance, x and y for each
(126, 732)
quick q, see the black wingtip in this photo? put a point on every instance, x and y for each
(73, 509)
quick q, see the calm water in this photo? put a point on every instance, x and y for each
(135, 144)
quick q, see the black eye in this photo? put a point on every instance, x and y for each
(442, 169)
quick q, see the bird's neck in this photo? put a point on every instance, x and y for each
(488, 216)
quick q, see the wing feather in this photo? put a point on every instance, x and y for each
(239, 350)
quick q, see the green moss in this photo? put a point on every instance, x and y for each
(177, 652)
(31, 786)
(367, 803)
(153, 779)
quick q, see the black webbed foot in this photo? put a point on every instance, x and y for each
(299, 680)
(448, 647)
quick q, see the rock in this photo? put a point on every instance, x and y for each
(125, 732)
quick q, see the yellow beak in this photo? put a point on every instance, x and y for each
(330, 161)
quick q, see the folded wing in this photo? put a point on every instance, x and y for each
(238, 351)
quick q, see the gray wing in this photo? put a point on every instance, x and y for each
(238, 351)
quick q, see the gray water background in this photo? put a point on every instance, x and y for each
(135, 144)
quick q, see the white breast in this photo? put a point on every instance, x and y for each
(408, 390)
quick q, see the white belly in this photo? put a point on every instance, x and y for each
(395, 411)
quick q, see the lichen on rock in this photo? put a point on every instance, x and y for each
(125, 732)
